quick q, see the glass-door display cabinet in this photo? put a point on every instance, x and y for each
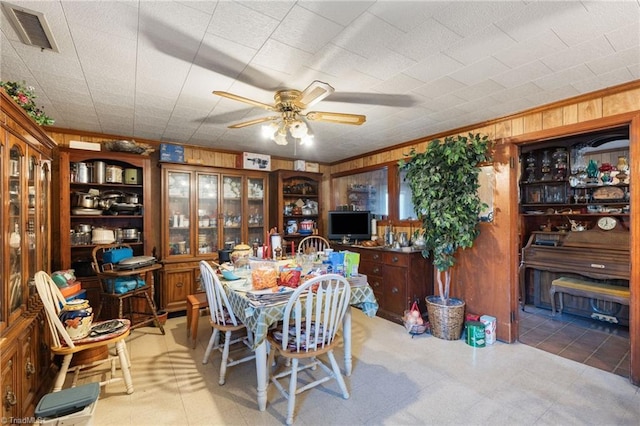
(25, 187)
(295, 205)
(204, 210)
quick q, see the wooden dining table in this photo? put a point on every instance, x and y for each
(258, 320)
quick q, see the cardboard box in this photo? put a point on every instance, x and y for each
(489, 328)
(351, 263)
(171, 153)
(299, 166)
(313, 167)
(87, 146)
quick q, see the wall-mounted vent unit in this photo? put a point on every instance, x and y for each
(31, 26)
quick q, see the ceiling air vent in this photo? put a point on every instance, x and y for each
(31, 26)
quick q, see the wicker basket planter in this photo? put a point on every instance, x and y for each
(446, 321)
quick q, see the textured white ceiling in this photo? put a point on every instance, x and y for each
(146, 69)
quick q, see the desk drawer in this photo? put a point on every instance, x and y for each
(395, 259)
(370, 269)
(371, 255)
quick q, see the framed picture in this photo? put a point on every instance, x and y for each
(256, 161)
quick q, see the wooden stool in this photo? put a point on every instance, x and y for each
(195, 302)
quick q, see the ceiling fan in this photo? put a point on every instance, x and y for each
(290, 105)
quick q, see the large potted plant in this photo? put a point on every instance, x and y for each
(444, 184)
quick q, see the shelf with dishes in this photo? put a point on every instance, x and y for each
(106, 193)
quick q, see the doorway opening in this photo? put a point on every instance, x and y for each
(562, 205)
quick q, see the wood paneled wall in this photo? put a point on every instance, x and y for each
(605, 103)
(491, 266)
(192, 154)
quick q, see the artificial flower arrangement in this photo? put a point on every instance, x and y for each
(24, 96)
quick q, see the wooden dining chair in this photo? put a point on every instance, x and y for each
(223, 320)
(312, 319)
(63, 345)
(313, 244)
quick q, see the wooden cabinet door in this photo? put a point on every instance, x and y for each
(29, 367)
(371, 266)
(10, 391)
(373, 271)
(176, 286)
(395, 290)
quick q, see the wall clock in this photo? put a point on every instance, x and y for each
(607, 223)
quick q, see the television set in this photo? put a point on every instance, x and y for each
(355, 225)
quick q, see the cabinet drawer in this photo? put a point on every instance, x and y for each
(370, 255)
(375, 282)
(395, 259)
(370, 268)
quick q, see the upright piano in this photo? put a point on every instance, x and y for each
(596, 255)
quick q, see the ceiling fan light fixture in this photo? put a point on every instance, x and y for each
(269, 130)
(280, 137)
(306, 139)
(298, 129)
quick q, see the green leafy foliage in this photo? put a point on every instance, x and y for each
(24, 96)
(444, 182)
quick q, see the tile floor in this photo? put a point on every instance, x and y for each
(591, 342)
(396, 380)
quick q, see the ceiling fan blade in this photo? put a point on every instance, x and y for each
(252, 122)
(245, 100)
(224, 118)
(171, 41)
(336, 117)
(313, 94)
(381, 99)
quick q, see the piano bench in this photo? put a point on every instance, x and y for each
(590, 289)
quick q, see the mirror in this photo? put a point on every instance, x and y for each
(487, 181)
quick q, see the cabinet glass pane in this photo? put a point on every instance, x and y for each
(255, 222)
(363, 191)
(16, 258)
(31, 218)
(179, 207)
(43, 206)
(232, 209)
(207, 213)
(405, 204)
